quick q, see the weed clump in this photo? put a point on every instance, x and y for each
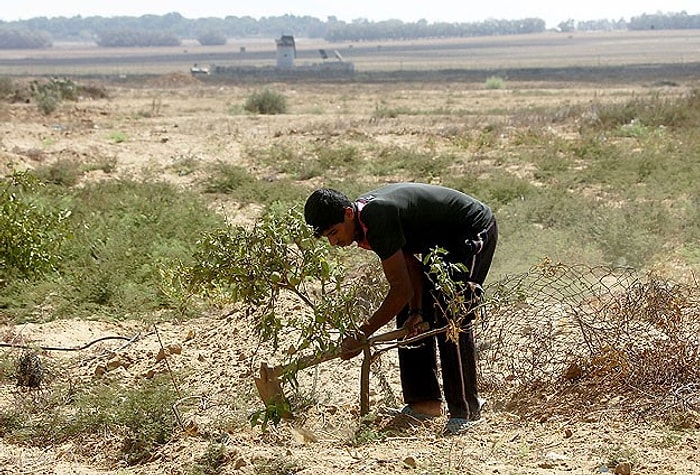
(266, 102)
(495, 82)
(49, 95)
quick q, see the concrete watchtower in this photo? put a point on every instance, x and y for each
(286, 52)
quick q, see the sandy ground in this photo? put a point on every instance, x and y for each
(177, 118)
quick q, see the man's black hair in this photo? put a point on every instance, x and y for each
(324, 208)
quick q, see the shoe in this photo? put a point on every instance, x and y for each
(458, 425)
(409, 411)
(477, 415)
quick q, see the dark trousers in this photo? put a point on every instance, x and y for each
(418, 365)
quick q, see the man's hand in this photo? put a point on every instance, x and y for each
(352, 345)
(412, 324)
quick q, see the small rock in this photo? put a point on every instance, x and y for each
(574, 371)
(175, 349)
(555, 456)
(303, 435)
(410, 462)
(623, 468)
(113, 364)
(162, 354)
(192, 429)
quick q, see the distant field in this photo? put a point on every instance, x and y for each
(653, 49)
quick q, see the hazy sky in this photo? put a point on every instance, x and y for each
(552, 11)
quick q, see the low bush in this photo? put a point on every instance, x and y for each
(266, 102)
(240, 185)
(495, 82)
(121, 235)
(140, 417)
(655, 111)
(7, 88)
(32, 231)
(49, 95)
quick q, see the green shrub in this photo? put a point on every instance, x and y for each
(277, 257)
(142, 416)
(117, 136)
(500, 189)
(61, 172)
(123, 235)
(416, 164)
(31, 230)
(383, 111)
(49, 95)
(655, 111)
(47, 100)
(266, 102)
(239, 184)
(495, 82)
(126, 233)
(277, 465)
(184, 165)
(211, 462)
(630, 235)
(227, 178)
(7, 88)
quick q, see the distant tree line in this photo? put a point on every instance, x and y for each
(592, 25)
(172, 28)
(22, 38)
(671, 21)
(363, 30)
(658, 21)
(127, 37)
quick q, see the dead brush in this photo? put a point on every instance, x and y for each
(577, 339)
(29, 370)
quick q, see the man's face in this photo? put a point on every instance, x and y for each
(342, 234)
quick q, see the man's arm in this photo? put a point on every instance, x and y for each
(405, 276)
(401, 292)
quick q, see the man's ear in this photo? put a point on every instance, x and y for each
(349, 213)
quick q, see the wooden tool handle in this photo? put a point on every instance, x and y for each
(313, 360)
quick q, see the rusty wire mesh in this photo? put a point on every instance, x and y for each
(573, 338)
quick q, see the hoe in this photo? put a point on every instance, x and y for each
(269, 382)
